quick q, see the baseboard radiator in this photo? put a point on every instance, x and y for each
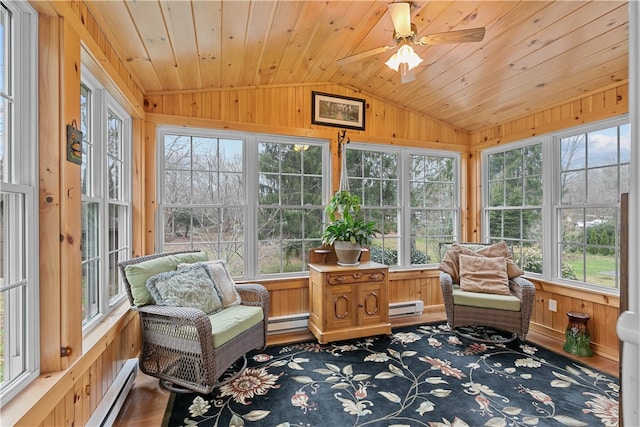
(299, 322)
(107, 410)
(406, 308)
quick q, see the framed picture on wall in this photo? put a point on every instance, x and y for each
(337, 111)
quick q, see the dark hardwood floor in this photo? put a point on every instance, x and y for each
(147, 401)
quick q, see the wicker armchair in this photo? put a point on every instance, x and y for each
(477, 311)
(178, 343)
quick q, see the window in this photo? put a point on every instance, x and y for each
(106, 206)
(290, 188)
(381, 176)
(514, 202)
(594, 170)
(19, 358)
(252, 200)
(565, 227)
(374, 177)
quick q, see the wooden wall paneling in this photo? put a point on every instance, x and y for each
(94, 398)
(565, 115)
(78, 403)
(59, 412)
(243, 107)
(471, 196)
(284, 108)
(148, 202)
(70, 203)
(539, 309)
(69, 408)
(559, 319)
(138, 217)
(100, 390)
(49, 54)
(599, 329)
(302, 95)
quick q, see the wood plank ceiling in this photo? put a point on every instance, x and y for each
(535, 53)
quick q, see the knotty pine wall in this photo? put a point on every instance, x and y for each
(604, 309)
(287, 111)
(70, 388)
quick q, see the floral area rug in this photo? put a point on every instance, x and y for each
(419, 376)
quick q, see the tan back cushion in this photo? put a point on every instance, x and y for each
(484, 274)
(450, 261)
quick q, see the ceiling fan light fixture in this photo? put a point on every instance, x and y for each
(404, 55)
(393, 62)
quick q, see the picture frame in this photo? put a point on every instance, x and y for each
(337, 111)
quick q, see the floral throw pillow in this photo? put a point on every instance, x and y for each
(190, 286)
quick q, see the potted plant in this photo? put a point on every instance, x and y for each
(350, 231)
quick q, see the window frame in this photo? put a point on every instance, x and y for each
(101, 105)
(405, 157)
(22, 83)
(250, 204)
(486, 209)
(551, 260)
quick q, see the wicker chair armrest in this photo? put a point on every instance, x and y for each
(188, 314)
(522, 288)
(253, 294)
(446, 283)
(180, 317)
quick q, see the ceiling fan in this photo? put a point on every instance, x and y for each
(405, 59)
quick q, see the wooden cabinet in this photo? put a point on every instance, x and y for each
(348, 302)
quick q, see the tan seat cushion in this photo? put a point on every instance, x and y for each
(483, 274)
(232, 321)
(484, 300)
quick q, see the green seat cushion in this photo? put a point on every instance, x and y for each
(138, 274)
(481, 300)
(232, 321)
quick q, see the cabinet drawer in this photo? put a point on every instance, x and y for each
(356, 277)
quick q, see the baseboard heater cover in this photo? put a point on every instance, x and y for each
(107, 410)
(300, 321)
(406, 308)
(288, 323)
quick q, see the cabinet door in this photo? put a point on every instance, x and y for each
(372, 303)
(340, 306)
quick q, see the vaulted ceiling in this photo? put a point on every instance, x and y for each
(535, 54)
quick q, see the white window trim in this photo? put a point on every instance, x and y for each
(24, 49)
(551, 169)
(404, 175)
(250, 167)
(103, 102)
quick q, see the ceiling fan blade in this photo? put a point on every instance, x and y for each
(362, 55)
(401, 17)
(460, 36)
